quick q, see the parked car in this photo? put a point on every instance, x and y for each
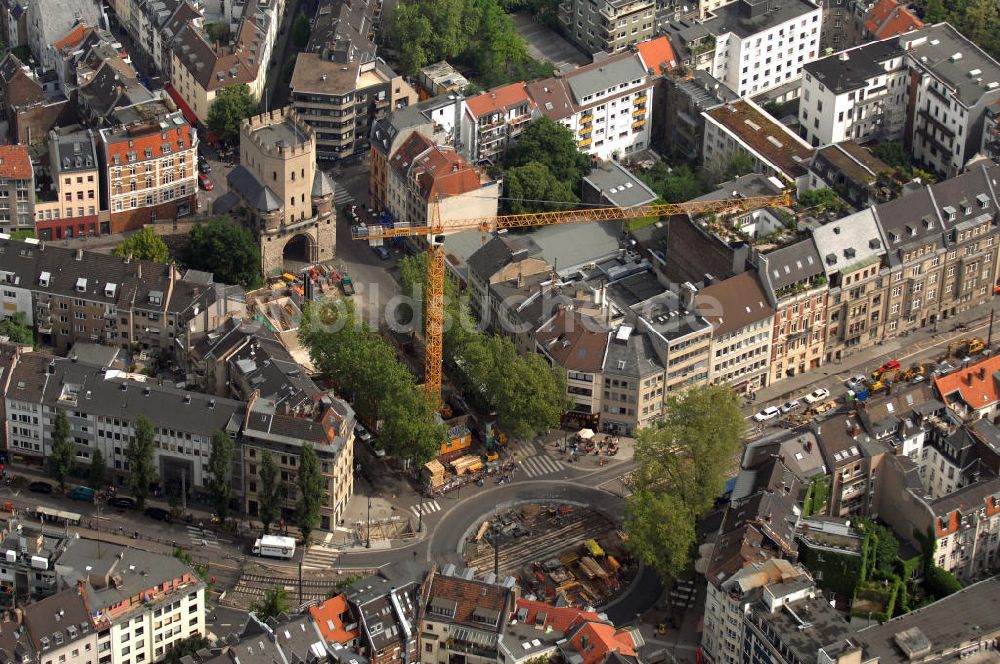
(40, 487)
(817, 395)
(158, 513)
(377, 451)
(205, 183)
(855, 382)
(362, 433)
(381, 252)
(789, 406)
(123, 502)
(889, 366)
(768, 413)
(943, 368)
(82, 493)
(203, 164)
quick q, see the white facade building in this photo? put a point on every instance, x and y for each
(605, 104)
(858, 95)
(761, 45)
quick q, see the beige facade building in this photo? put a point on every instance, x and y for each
(609, 26)
(327, 424)
(74, 199)
(287, 200)
(742, 320)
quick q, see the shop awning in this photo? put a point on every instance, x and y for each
(181, 104)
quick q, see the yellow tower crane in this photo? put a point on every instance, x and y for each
(435, 233)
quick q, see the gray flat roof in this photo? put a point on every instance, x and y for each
(285, 132)
(603, 75)
(851, 70)
(732, 17)
(937, 54)
(618, 186)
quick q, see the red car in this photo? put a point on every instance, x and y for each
(205, 183)
(889, 366)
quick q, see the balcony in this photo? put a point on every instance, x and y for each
(520, 119)
(584, 131)
(586, 118)
(639, 112)
(638, 123)
(641, 99)
(584, 143)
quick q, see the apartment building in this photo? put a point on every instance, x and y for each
(576, 345)
(387, 615)
(609, 26)
(941, 248)
(74, 192)
(974, 391)
(681, 336)
(742, 127)
(71, 296)
(341, 99)
(425, 180)
(462, 618)
(140, 603)
(48, 21)
(273, 425)
(858, 95)
(605, 104)
(149, 167)
(31, 104)
(742, 322)
(103, 407)
(852, 252)
(952, 83)
(502, 258)
(686, 100)
(795, 283)
(493, 121)
(633, 383)
(755, 46)
(854, 173)
(17, 189)
(277, 173)
(728, 601)
(888, 18)
(60, 628)
(990, 146)
(31, 553)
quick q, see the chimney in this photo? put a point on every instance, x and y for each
(688, 291)
(982, 373)
(138, 269)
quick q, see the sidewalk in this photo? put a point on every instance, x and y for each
(899, 348)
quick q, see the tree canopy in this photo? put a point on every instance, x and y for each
(364, 368)
(312, 493)
(526, 187)
(226, 249)
(821, 200)
(220, 463)
(269, 497)
(232, 104)
(674, 185)
(475, 35)
(274, 603)
(62, 457)
(16, 328)
(300, 31)
(144, 245)
(139, 454)
(681, 470)
(98, 470)
(550, 143)
(976, 19)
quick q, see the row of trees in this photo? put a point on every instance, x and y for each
(142, 473)
(475, 35)
(221, 246)
(527, 395)
(545, 170)
(364, 369)
(681, 469)
(976, 19)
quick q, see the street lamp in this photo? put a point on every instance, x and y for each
(368, 544)
(420, 518)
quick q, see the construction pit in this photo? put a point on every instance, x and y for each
(554, 550)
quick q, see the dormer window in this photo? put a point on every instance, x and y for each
(949, 212)
(44, 279)
(984, 201)
(81, 285)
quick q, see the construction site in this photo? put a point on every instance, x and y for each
(555, 551)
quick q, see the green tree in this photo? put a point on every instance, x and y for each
(300, 31)
(533, 188)
(16, 328)
(739, 164)
(269, 498)
(226, 249)
(220, 465)
(821, 200)
(144, 245)
(273, 605)
(139, 455)
(218, 32)
(550, 143)
(97, 474)
(62, 458)
(312, 492)
(410, 429)
(681, 467)
(940, 583)
(185, 647)
(892, 153)
(232, 105)
(934, 12)
(661, 531)
(21, 234)
(412, 31)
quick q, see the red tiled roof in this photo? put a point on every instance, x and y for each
(468, 597)
(446, 173)
(15, 163)
(329, 618)
(657, 54)
(144, 137)
(498, 99)
(595, 640)
(888, 19)
(415, 144)
(974, 385)
(559, 618)
(72, 38)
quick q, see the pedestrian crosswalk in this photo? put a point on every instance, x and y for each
(540, 464)
(201, 537)
(341, 196)
(320, 557)
(425, 508)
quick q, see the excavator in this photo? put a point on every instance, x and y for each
(966, 346)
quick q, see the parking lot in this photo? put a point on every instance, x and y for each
(546, 45)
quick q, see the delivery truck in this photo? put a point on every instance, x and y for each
(274, 546)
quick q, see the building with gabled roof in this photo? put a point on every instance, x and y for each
(17, 187)
(973, 390)
(50, 20)
(889, 18)
(334, 621)
(494, 119)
